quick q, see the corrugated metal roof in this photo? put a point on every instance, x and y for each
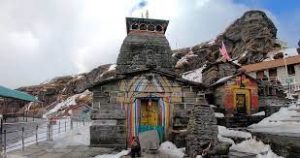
(10, 93)
(272, 64)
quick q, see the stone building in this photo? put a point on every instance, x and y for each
(145, 94)
(285, 70)
(236, 94)
(232, 91)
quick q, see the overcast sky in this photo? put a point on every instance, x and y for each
(42, 39)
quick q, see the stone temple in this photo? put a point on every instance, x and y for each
(145, 94)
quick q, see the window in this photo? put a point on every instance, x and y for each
(273, 74)
(291, 69)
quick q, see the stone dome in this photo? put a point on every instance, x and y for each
(145, 46)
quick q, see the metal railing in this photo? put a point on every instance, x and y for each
(21, 134)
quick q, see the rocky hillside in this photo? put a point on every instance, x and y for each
(248, 40)
(60, 89)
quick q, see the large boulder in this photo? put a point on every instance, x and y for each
(248, 39)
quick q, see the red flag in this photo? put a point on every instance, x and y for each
(224, 52)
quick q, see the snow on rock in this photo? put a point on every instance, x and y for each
(112, 67)
(170, 150)
(194, 75)
(223, 79)
(225, 140)
(66, 103)
(223, 131)
(262, 113)
(118, 155)
(255, 147)
(219, 115)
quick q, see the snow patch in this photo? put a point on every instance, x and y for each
(223, 79)
(285, 115)
(223, 131)
(112, 67)
(219, 115)
(255, 147)
(66, 103)
(225, 140)
(262, 113)
(286, 121)
(170, 150)
(77, 136)
(118, 155)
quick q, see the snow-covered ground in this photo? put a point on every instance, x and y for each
(118, 155)
(77, 136)
(286, 122)
(249, 145)
(256, 147)
(169, 150)
(223, 131)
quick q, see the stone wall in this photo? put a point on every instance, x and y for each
(216, 71)
(219, 97)
(109, 101)
(108, 128)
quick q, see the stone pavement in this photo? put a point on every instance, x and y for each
(47, 150)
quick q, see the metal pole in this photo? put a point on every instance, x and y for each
(36, 134)
(4, 143)
(49, 132)
(65, 125)
(71, 124)
(59, 126)
(23, 138)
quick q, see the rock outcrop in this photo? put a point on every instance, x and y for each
(247, 40)
(60, 88)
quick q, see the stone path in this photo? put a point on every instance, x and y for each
(47, 150)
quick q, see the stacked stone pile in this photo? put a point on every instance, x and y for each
(202, 130)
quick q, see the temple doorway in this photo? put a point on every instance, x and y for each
(150, 113)
(241, 103)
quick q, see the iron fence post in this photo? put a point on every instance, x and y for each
(1, 139)
(65, 126)
(49, 132)
(4, 144)
(23, 138)
(36, 134)
(59, 126)
(71, 124)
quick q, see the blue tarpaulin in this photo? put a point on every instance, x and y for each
(15, 94)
